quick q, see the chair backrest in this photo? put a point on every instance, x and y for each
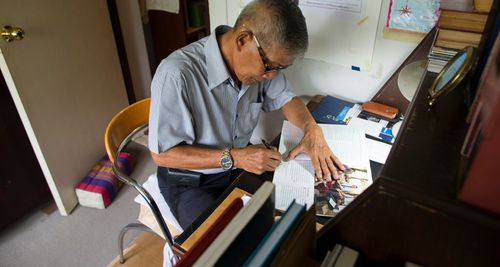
(123, 124)
(118, 134)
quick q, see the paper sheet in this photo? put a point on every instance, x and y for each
(378, 151)
(295, 179)
(342, 32)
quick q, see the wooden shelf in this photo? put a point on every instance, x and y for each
(171, 31)
(191, 30)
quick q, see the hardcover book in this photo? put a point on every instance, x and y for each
(462, 21)
(299, 245)
(189, 242)
(237, 241)
(268, 247)
(211, 233)
(334, 110)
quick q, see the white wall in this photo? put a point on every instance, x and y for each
(311, 77)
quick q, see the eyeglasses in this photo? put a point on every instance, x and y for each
(267, 67)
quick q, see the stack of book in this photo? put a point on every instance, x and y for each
(460, 25)
(249, 235)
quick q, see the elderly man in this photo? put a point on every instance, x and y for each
(206, 100)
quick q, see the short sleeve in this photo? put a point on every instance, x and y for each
(170, 119)
(278, 92)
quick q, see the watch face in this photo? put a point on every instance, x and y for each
(226, 162)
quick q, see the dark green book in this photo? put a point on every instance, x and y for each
(272, 241)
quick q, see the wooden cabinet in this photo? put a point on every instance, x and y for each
(171, 31)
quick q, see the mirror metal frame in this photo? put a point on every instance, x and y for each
(470, 59)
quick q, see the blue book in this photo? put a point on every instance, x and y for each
(270, 244)
(332, 110)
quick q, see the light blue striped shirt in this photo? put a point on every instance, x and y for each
(194, 100)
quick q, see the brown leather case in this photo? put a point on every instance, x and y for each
(380, 110)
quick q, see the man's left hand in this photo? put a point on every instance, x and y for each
(325, 163)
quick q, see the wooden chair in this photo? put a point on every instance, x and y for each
(119, 132)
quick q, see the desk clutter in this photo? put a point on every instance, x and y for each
(100, 186)
(376, 120)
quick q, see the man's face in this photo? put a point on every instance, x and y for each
(256, 63)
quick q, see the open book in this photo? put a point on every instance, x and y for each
(295, 179)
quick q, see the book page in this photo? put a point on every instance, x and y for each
(290, 138)
(295, 179)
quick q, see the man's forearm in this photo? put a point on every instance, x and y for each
(297, 113)
(188, 157)
(254, 158)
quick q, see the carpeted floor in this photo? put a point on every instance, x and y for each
(88, 237)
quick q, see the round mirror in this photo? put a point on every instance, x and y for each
(409, 78)
(452, 74)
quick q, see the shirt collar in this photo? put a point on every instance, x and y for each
(216, 74)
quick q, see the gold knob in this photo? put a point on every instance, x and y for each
(10, 34)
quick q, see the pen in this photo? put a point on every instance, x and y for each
(265, 143)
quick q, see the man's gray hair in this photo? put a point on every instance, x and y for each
(276, 22)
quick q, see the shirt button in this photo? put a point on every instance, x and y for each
(236, 115)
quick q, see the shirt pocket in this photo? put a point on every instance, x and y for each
(248, 119)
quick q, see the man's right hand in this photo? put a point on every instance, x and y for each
(256, 158)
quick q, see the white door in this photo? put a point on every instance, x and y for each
(66, 82)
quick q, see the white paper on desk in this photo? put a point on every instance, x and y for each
(378, 151)
(295, 179)
(370, 127)
(347, 143)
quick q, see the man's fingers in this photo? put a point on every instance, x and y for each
(275, 162)
(338, 163)
(324, 167)
(317, 168)
(333, 169)
(297, 150)
(274, 155)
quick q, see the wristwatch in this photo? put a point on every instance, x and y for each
(226, 161)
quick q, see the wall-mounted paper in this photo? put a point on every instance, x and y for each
(342, 31)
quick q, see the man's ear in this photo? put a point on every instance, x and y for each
(242, 39)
